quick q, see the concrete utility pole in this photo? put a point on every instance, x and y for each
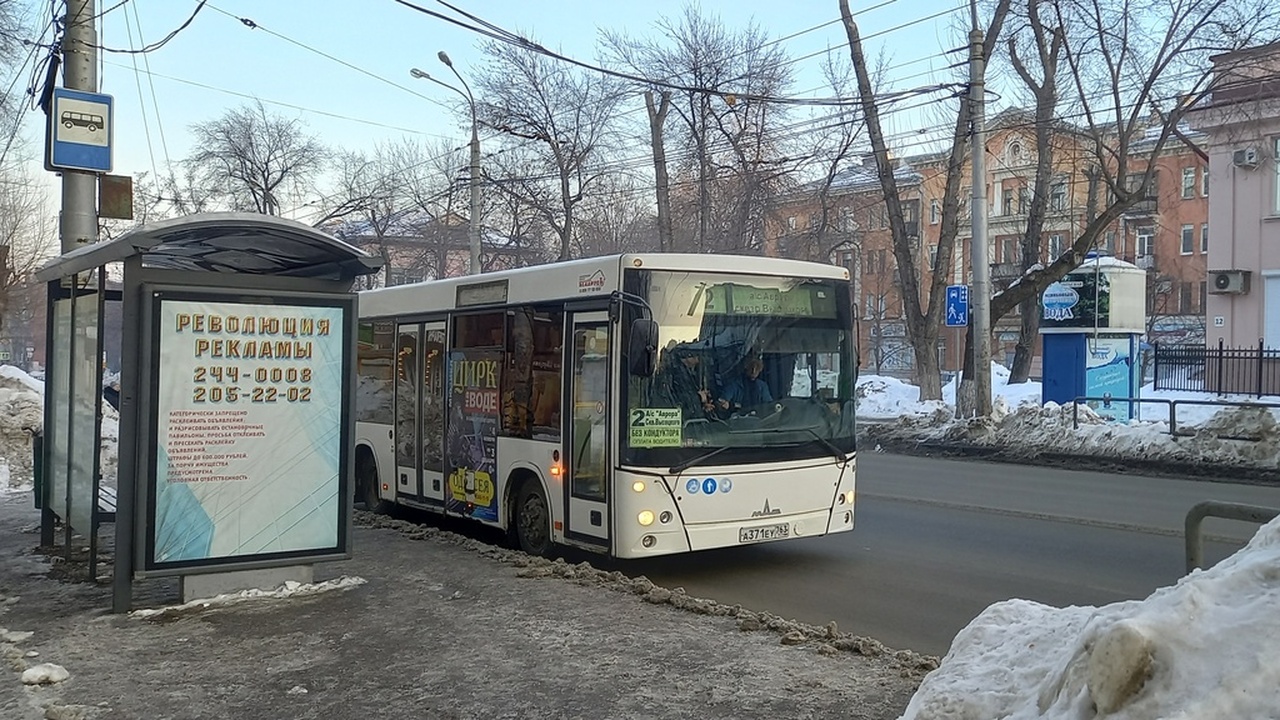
(980, 317)
(474, 226)
(79, 222)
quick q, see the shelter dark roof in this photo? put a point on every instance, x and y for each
(245, 243)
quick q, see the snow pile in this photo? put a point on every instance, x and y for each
(291, 588)
(1021, 428)
(882, 398)
(1204, 648)
(44, 674)
(22, 413)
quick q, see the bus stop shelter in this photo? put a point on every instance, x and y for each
(234, 400)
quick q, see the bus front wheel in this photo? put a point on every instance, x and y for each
(367, 481)
(533, 519)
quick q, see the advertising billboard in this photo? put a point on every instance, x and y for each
(249, 414)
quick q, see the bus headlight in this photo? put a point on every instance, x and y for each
(645, 518)
(846, 498)
(638, 486)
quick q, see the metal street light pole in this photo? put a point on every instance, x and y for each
(473, 228)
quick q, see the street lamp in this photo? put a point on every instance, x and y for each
(473, 228)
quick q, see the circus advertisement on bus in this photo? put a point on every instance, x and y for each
(472, 433)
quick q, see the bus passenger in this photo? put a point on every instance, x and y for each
(680, 384)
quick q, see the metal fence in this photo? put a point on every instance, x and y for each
(1221, 370)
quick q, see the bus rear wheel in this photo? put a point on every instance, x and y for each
(533, 520)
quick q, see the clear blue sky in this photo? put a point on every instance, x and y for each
(194, 76)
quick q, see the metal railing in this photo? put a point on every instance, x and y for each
(1173, 410)
(1222, 370)
(1213, 508)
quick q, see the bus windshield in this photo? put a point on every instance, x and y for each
(750, 369)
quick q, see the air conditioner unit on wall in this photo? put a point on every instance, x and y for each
(1245, 157)
(1228, 282)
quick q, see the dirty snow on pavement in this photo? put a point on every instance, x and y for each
(1021, 427)
(1203, 648)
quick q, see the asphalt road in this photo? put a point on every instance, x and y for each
(936, 541)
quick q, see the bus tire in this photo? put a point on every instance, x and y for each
(533, 519)
(367, 482)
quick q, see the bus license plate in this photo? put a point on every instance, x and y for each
(768, 532)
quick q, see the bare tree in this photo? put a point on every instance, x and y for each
(733, 162)
(1134, 68)
(616, 221)
(28, 237)
(923, 315)
(254, 160)
(566, 112)
(833, 141)
(1046, 46)
(662, 182)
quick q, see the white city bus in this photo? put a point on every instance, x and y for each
(541, 401)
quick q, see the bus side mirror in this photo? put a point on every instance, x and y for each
(642, 348)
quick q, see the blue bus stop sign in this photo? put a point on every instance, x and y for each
(80, 131)
(957, 305)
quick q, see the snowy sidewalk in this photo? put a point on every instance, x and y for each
(443, 627)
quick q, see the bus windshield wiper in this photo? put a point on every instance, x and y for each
(830, 446)
(681, 467)
(840, 456)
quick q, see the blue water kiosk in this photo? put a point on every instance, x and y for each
(1091, 324)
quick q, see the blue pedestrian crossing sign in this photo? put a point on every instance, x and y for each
(957, 305)
(80, 130)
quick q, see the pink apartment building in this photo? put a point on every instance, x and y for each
(1242, 119)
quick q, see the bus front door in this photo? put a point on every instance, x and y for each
(586, 435)
(419, 411)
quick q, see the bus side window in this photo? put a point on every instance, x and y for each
(375, 356)
(548, 359)
(531, 374)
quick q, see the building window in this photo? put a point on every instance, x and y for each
(1184, 298)
(1109, 244)
(935, 212)
(1204, 238)
(1204, 181)
(1204, 294)
(791, 223)
(1146, 241)
(1058, 195)
(1009, 250)
(1055, 247)
(1188, 239)
(1188, 183)
(933, 256)
(1007, 199)
(1024, 201)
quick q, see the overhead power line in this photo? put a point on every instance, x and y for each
(497, 33)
